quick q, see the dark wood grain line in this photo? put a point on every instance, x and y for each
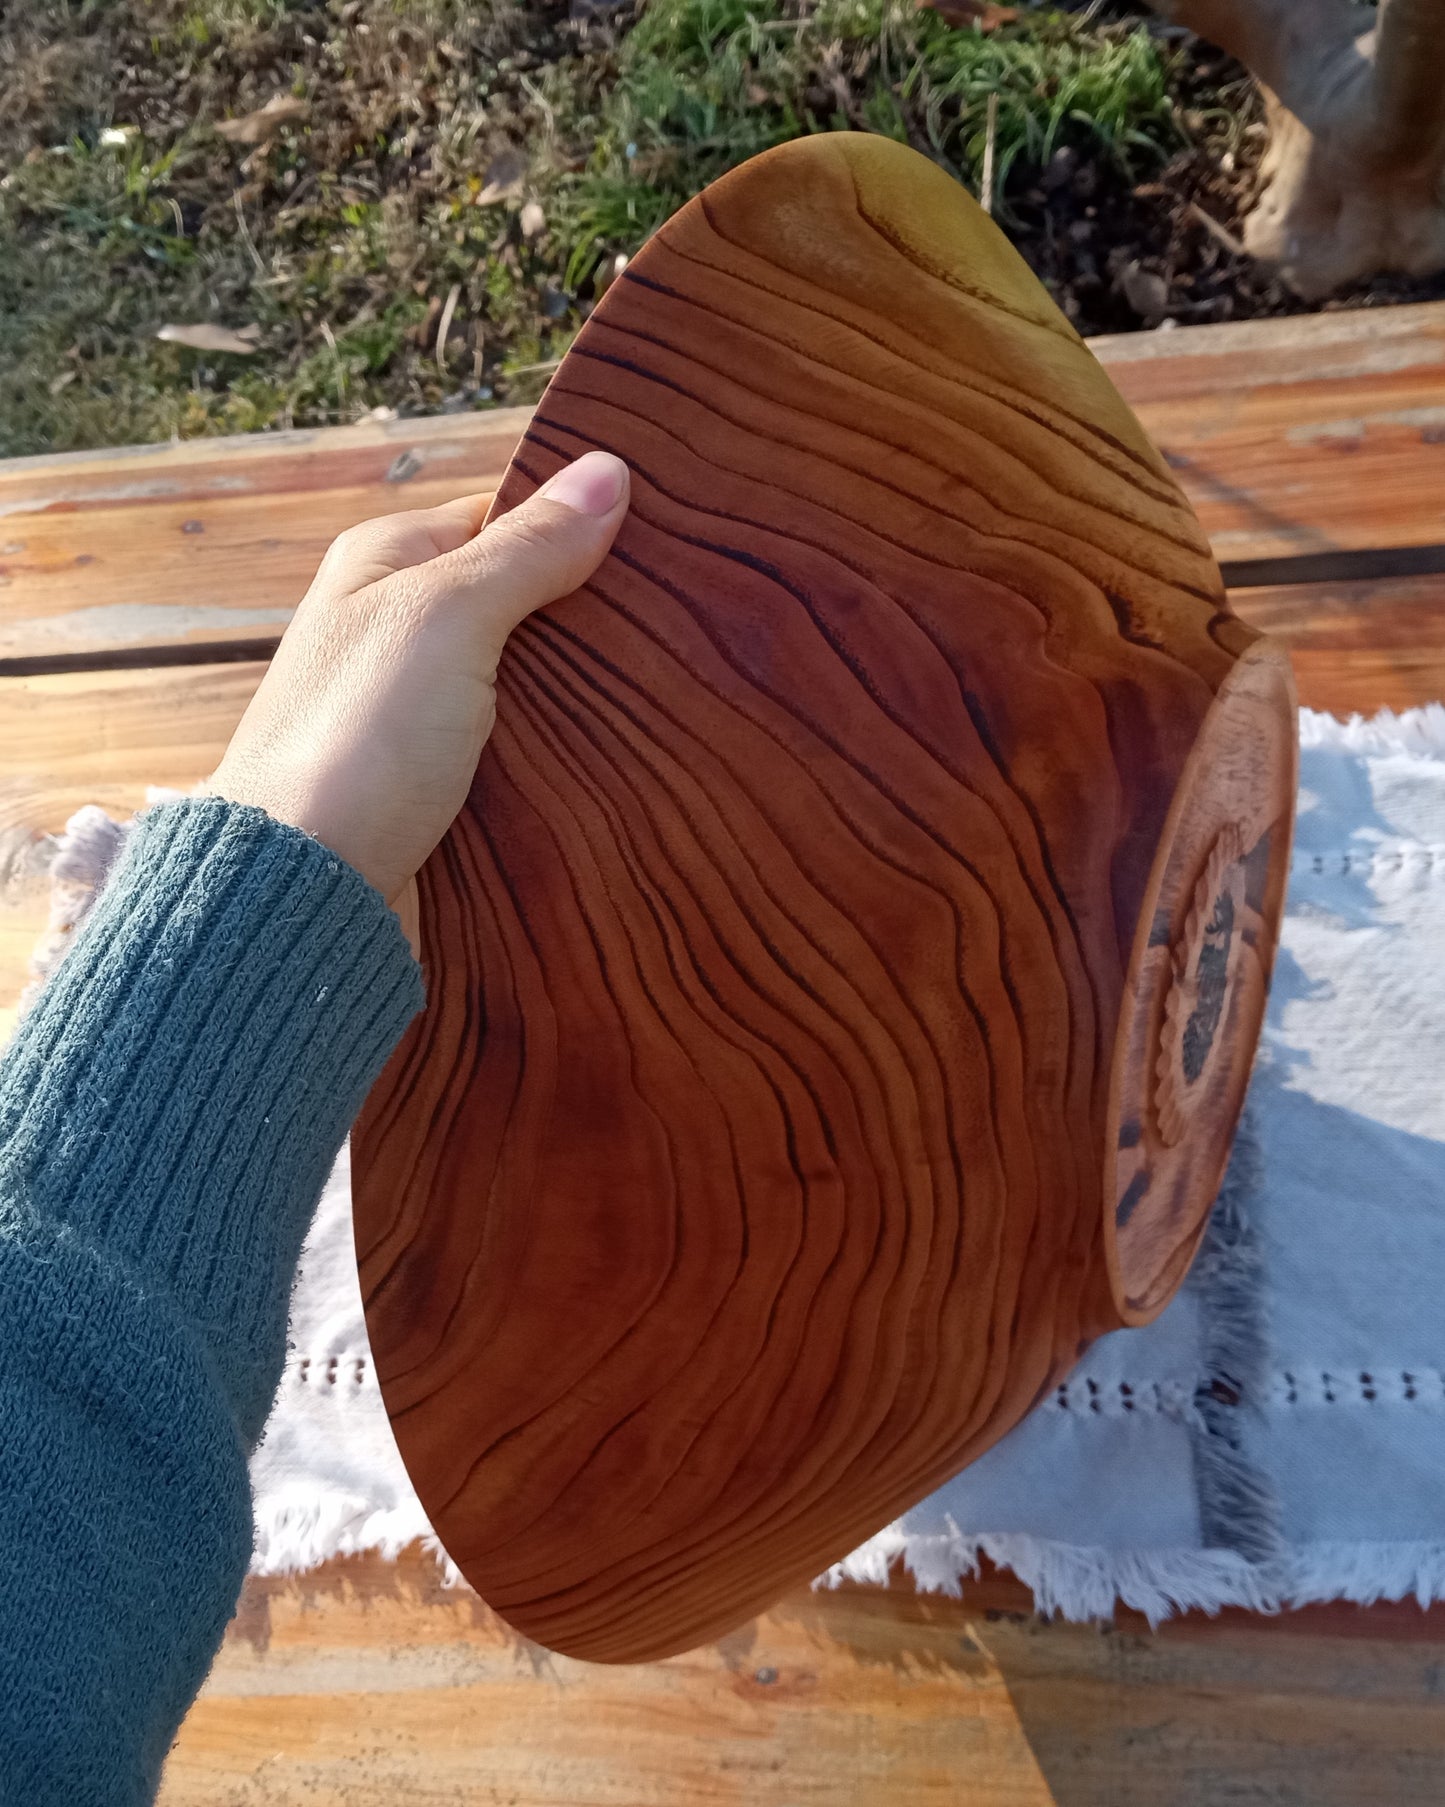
(141, 658)
(581, 719)
(1357, 566)
(1015, 400)
(1191, 546)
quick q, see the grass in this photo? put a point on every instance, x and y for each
(485, 154)
(703, 84)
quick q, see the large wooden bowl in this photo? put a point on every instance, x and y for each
(845, 973)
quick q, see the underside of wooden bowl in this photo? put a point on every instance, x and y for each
(844, 976)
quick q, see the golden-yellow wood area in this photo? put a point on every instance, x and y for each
(367, 1685)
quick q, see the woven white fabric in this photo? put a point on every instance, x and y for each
(1279, 1434)
(1283, 1435)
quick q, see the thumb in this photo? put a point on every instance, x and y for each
(543, 548)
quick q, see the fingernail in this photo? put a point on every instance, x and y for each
(593, 484)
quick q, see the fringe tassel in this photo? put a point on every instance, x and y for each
(77, 861)
(1414, 731)
(293, 1535)
(1068, 1581)
(1367, 1572)
(1083, 1584)
(1238, 1507)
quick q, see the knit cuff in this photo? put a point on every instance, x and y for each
(184, 1081)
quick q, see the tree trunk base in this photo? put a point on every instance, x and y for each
(1329, 215)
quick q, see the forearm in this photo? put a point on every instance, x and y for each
(168, 1112)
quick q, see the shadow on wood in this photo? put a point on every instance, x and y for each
(368, 1683)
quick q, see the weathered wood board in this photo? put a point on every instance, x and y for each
(366, 1684)
(211, 540)
(1314, 436)
(1292, 438)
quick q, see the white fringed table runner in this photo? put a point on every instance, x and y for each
(1277, 1436)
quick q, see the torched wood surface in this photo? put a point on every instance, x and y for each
(804, 967)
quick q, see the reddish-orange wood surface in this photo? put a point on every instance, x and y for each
(844, 975)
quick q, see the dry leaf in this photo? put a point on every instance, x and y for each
(1232, 245)
(983, 14)
(607, 273)
(534, 221)
(503, 179)
(445, 325)
(265, 122)
(422, 331)
(206, 337)
(1145, 290)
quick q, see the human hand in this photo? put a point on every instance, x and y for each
(366, 730)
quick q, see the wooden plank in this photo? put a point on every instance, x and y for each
(98, 737)
(212, 539)
(1296, 437)
(1315, 434)
(1378, 643)
(367, 1683)
(1357, 647)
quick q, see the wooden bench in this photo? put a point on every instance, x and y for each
(140, 594)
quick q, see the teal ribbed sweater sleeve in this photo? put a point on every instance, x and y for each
(168, 1113)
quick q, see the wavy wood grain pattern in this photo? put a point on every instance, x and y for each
(844, 975)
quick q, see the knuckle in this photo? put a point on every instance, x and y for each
(340, 555)
(352, 543)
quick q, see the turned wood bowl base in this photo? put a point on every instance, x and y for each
(1198, 983)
